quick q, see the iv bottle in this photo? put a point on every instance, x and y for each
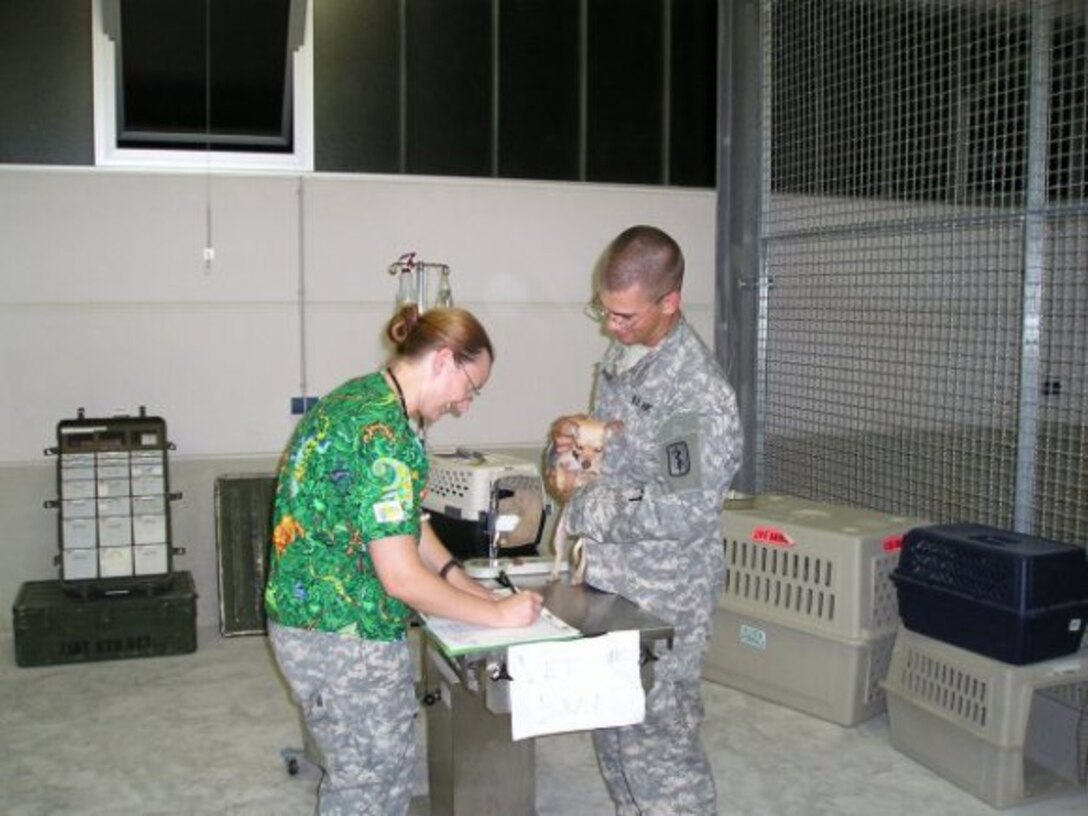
(406, 288)
(444, 298)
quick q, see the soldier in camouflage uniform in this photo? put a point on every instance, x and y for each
(652, 521)
(352, 556)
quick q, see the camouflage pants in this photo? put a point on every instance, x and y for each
(358, 702)
(659, 767)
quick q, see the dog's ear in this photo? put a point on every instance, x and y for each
(612, 428)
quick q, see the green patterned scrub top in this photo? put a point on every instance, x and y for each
(353, 473)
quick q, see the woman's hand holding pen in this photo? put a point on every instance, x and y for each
(519, 609)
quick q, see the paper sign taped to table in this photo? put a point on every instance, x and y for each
(575, 685)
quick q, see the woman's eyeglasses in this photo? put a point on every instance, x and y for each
(471, 382)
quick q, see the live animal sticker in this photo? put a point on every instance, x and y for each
(772, 536)
(388, 512)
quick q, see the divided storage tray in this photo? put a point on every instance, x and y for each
(808, 615)
(114, 502)
(1006, 734)
(1013, 597)
(51, 626)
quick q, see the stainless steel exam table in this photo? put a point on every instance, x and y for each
(474, 767)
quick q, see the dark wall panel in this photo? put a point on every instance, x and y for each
(449, 87)
(538, 89)
(693, 119)
(46, 85)
(356, 86)
(625, 91)
(465, 88)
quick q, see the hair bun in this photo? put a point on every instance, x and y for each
(414, 334)
(403, 324)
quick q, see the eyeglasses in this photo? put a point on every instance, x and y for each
(471, 382)
(595, 310)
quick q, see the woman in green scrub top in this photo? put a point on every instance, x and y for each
(353, 555)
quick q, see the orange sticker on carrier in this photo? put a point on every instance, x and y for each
(769, 535)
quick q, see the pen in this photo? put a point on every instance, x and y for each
(504, 579)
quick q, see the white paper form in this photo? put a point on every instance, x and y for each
(575, 685)
(457, 638)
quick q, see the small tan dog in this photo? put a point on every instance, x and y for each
(568, 471)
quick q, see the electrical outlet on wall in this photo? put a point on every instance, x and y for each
(300, 405)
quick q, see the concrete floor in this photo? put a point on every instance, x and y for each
(202, 733)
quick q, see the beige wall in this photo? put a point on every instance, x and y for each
(106, 303)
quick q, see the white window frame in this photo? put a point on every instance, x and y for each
(108, 154)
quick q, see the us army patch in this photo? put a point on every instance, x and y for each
(679, 459)
(681, 453)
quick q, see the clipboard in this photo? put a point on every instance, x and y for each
(457, 638)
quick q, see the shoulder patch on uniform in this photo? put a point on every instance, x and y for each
(388, 512)
(681, 452)
(679, 459)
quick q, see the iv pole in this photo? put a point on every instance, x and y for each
(413, 282)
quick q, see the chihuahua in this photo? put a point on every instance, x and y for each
(572, 469)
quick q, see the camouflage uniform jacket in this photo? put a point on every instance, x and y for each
(653, 519)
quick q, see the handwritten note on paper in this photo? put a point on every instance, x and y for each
(575, 685)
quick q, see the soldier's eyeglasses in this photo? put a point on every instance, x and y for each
(595, 310)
